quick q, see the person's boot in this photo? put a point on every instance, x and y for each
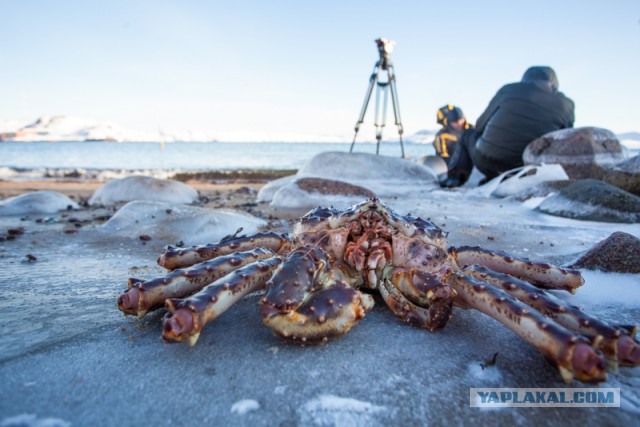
(455, 179)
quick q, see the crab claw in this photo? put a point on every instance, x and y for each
(128, 301)
(177, 326)
(628, 351)
(586, 365)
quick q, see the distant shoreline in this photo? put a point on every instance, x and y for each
(79, 175)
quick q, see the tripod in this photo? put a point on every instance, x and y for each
(383, 88)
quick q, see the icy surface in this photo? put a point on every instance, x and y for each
(67, 353)
(329, 410)
(37, 202)
(172, 223)
(143, 188)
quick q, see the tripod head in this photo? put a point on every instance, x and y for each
(385, 47)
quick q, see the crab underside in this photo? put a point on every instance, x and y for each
(317, 284)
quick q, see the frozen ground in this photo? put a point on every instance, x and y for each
(68, 356)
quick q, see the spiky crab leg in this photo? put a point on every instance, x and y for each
(615, 342)
(183, 257)
(309, 301)
(187, 317)
(572, 354)
(418, 298)
(540, 274)
(145, 296)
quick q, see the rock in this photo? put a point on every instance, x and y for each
(304, 193)
(625, 175)
(386, 177)
(620, 252)
(593, 200)
(583, 152)
(542, 189)
(333, 187)
(143, 188)
(36, 202)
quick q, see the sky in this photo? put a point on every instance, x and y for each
(303, 67)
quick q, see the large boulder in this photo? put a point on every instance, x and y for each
(36, 202)
(139, 187)
(593, 200)
(625, 175)
(341, 179)
(307, 193)
(170, 223)
(583, 152)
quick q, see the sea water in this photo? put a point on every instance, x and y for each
(182, 156)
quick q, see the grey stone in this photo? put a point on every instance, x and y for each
(542, 190)
(331, 186)
(620, 252)
(593, 200)
(625, 175)
(583, 152)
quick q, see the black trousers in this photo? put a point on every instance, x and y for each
(466, 156)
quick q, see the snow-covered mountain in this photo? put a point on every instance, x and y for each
(70, 128)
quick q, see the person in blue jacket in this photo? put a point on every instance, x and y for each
(519, 113)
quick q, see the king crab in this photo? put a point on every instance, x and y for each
(317, 285)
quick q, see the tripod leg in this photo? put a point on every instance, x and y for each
(380, 124)
(372, 81)
(396, 106)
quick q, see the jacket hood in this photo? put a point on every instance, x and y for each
(540, 74)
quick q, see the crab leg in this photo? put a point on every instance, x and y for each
(572, 354)
(310, 300)
(615, 342)
(542, 275)
(428, 302)
(183, 257)
(187, 317)
(142, 297)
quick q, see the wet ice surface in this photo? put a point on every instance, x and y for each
(69, 355)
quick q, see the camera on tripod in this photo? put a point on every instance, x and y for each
(385, 47)
(384, 88)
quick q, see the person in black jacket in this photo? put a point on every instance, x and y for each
(517, 114)
(453, 126)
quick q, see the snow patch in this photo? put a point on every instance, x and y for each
(31, 420)
(517, 180)
(243, 406)
(330, 410)
(489, 376)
